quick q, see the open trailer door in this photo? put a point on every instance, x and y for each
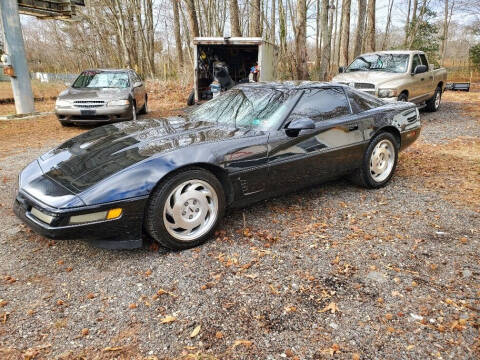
(239, 55)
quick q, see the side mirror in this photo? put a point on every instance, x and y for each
(419, 69)
(341, 69)
(297, 125)
(137, 84)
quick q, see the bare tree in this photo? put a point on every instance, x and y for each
(407, 23)
(301, 40)
(272, 21)
(192, 18)
(234, 19)
(326, 41)
(359, 33)
(370, 40)
(345, 37)
(255, 25)
(387, 26)
(176, 30)
(446, 24)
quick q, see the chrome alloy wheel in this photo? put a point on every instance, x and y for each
(382, 160)
(190, 210)
(438, 96)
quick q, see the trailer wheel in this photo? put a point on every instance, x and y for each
(191, 98)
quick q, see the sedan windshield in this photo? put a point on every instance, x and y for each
(255, 107)
(380, 62)
(103, 79)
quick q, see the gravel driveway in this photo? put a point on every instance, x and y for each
(333, 272)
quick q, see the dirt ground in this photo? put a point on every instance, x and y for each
(332, 272)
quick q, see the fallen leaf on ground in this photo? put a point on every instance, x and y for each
(168, 319)
(195, 331)
(115, 348)
(246, 343)
(332, 307)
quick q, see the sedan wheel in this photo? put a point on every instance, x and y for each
(134, 112)
(184, 209)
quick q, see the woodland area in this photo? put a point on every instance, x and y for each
(314, 37)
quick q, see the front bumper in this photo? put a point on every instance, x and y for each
(123, 232)
(97, 115)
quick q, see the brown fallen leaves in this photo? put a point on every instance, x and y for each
(246, 343)
(169, 319)
(195, 331)
(332, 307)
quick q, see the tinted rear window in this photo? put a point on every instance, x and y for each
(362, 102)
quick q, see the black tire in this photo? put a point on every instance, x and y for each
(432, 104)
(66, 123)
(154, 222)
(144, 108)
(403, 97)
(363, 176)
(191, 98)
(134, 111)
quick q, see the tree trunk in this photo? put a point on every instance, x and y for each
(272, 20)
(176, 30)
(336, 38)
(345, 39)
(326, 42)
(255, 7)
(192, 18)
(370, 41)
(407, 24)
(318, 41)
(301, 40)
(282, 28)
(446, 25)
(359, 34)
(387, 27)
(234, 19)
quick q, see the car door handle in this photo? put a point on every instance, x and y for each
(353, 127)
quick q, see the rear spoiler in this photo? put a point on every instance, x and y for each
(460, 86)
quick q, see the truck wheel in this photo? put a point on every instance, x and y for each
(402, 97)
(191, 98)
(434, 103)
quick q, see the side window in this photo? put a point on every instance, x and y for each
(362, 102)
(424, 59)
(137, 77)
(322, 104)
(416, 61)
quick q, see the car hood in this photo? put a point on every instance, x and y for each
(372, 77)
(94, 93)
(89, 158)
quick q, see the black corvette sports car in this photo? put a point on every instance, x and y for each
(171, 179)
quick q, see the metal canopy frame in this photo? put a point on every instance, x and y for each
(16, 62)
(50, 9)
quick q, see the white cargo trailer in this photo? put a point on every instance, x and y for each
(239, 53)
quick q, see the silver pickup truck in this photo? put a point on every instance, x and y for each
(396, 75)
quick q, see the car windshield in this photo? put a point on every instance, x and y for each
(380, 62)
(101, 79)
(255, 107)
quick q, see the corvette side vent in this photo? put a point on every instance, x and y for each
(410, 115)
(243, 185)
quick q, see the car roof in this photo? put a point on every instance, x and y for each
(109, 70)
(398, 52)
(288, 85)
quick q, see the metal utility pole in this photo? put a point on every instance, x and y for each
(21, 85)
